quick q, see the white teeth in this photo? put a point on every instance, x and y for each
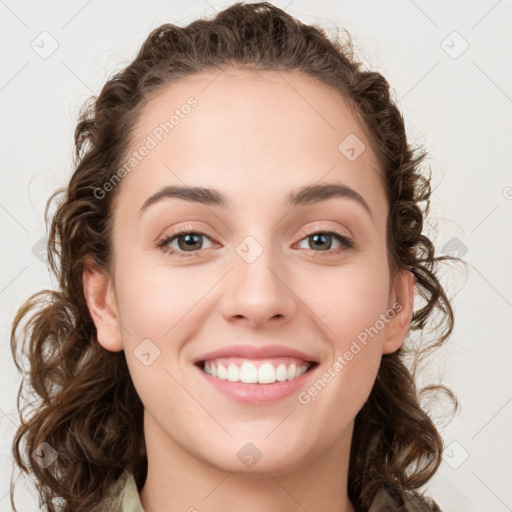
(266, 374)
(292, 371)
(249, 374)
(233, 373)
(281, 373)
(222, 373)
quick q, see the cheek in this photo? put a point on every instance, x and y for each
(351, 306)
(353, 326)
(350, 300)
(152, 299)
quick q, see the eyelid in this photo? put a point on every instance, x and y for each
(315, 228)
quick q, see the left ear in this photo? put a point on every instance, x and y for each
(100, 297)
(402, 303)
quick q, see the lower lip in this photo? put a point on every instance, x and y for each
(257, 393)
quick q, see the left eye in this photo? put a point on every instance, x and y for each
(188, 241)
(325, 238)
(191, 242)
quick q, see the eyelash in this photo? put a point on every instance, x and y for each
(161, 243)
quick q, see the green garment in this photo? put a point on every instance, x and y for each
(124, 497)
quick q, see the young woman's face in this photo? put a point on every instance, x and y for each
(276, 275)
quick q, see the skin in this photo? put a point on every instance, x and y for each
(254, 136)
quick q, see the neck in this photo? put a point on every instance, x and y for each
(178, 480)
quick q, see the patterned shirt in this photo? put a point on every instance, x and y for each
(124, 497)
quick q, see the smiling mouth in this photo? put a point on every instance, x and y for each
(256, 371)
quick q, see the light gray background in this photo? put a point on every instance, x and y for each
(457, 104)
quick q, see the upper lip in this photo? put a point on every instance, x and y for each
(255, 352)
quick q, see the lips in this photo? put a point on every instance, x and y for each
(267, 388)
(255, 352)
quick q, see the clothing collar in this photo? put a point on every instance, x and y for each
(124, 497)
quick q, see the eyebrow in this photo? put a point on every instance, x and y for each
(306, 195)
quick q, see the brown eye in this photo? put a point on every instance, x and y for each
(187, 242)
(322, 241)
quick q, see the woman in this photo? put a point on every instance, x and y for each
(204, 352)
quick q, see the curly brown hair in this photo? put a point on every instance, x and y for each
(79, 397)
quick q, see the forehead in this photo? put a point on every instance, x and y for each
(250, 133)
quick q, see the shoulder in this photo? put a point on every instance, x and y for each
(384, 501)
(123, 496)
(422, 502)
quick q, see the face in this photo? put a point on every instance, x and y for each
(272, 276)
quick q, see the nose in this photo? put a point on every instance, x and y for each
(258, 293)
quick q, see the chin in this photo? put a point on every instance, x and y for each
(257, 457)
